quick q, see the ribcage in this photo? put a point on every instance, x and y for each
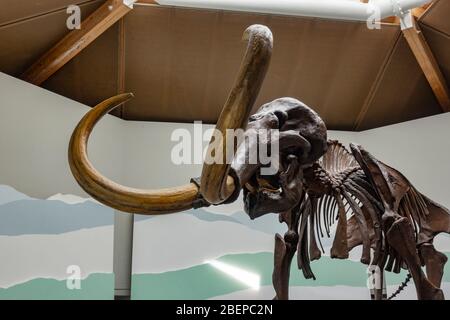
(339, 193)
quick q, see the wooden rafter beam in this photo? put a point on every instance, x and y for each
(426, 60)
(147, 2)
(392, 19)
(76, 40)
(419, 11)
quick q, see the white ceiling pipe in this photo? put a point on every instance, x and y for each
(329, 9)
(396, 7)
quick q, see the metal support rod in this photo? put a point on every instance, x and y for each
(123, 254)
(378, 279)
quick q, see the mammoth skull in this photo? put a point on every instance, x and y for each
(301, 140)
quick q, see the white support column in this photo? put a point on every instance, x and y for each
(376, 281)
(384, 286)
(123, 254)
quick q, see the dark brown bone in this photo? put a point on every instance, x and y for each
(302, 134)
(392, 187)
(340, 246)
(371, 191)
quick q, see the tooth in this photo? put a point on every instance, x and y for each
(250, 187)
(265, 184)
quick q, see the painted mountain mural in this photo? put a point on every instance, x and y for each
(41, 238)
(9, 194)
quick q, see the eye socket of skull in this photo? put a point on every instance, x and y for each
(269, 120)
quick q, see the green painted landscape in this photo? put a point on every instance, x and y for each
(204, 281)
(98, 286)
(200, 282)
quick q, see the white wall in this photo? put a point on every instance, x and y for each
(147, 160)
(35, 129)
(148, 163)
(420, 149)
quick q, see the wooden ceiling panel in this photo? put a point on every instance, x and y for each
(181, 63)
(87, 78)
(403, 93)
(145, 64)
(15, 10)
(438, 16)
(440, 46)
(224, 59)
(183, 72)
(189, 59)
(325, 63)
(24, 42)
(92, 75)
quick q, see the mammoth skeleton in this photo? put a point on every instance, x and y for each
(318, 184)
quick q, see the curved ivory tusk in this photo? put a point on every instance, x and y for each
(110, 193)
(216, 185)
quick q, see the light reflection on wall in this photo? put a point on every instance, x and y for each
(248, 278)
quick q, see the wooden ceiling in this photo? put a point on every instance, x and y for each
(181, 63)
